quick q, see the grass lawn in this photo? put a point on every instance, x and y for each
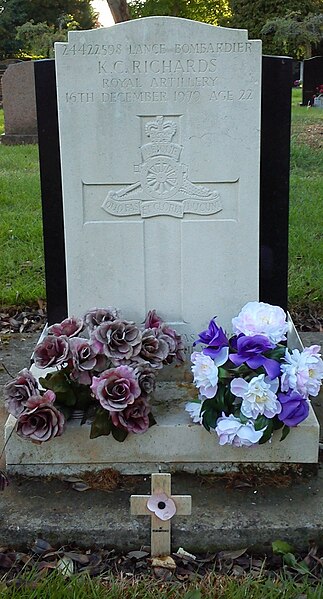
(209, 587)
(306, 206)
(21, 262)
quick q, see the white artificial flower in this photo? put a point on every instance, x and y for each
(232, 432)
(258, 396)
(194, 409)
(303, 371)
(258, 318)
(205, 371)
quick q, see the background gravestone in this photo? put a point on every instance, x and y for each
(19, 104)
(312, 78)
(4, 64)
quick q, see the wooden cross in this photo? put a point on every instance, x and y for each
(160, 529)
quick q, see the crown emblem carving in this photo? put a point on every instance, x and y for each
(160, 129)
(163, 186)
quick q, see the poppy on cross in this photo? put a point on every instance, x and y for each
(161, 505)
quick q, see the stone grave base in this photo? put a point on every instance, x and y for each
(173, 444)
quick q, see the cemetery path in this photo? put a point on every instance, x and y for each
(223, 518)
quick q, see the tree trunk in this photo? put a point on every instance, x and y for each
(119, 10)
(308, 50)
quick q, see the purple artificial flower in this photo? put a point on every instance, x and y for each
(116, 388)
(17, 392)
(118, 340)
(214, 337)
(51, 352)
(85, 360)
(295, 408)
(303, 371)
(146, 377)
(258, 318)
(134, 418)
(250, 350)
(41, 421)
(231, 431)
(174, 341)
(154, 348)
(70, 327)
(152, 320)
(93, 318)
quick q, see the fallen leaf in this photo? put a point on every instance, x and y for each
(41, 546)
(164, 562)
(232, 554)
(79, 558)
(73, 479)
(5, 561)
(66, 566)
(81, 486)
(137, 554)
(163, 574)
(237, 571)
(43, 565)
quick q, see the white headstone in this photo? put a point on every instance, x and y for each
(159, 131)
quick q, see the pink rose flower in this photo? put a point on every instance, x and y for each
(116, 388)
(134, 418)
(70, 327)
(41, 421)
(18, 391)
(52, 351)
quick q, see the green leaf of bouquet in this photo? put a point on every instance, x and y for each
(210, 413)
(66, 411)
(281, 547)
(222, 373)
(55, 381)
(83, 396)
(267, 433)
(285, 432)
(152, 420)
(219, 399)
(261, 422)
(101, 424)
(68, 398)
(119, 434)
(276, 354)
(229, 399)
(277, 424)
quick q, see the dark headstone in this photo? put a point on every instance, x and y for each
(274, 178)
(19, 104)
(312, 78)
(51, 190)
